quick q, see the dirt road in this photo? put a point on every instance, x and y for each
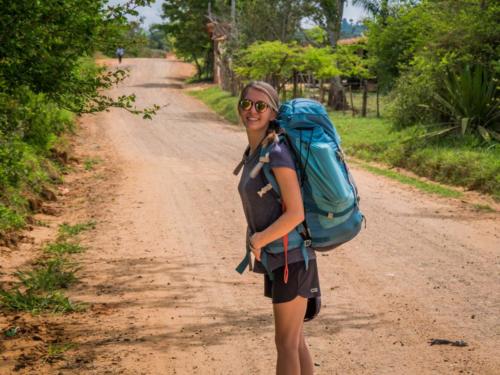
(170, 231)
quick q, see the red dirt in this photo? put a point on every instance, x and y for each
(159, 268)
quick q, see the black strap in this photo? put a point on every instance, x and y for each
(240, 165)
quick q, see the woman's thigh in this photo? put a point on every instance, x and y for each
(288, 321)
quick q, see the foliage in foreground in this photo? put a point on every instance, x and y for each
(40, 289)
(47, 76)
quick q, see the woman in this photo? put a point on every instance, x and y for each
(294, 290)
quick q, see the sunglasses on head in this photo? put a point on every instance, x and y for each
(246, 105)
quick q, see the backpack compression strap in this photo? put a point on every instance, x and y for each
(285, 249)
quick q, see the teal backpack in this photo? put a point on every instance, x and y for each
(331, 201)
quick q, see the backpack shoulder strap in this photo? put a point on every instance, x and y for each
(240, 165)
(266, 167)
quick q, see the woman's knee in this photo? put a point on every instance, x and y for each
(286, 343)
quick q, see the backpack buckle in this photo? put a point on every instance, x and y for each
(265, 189)
(307, 243)
(264, 159)
(330, 215)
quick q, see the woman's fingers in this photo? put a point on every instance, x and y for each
(257, 252)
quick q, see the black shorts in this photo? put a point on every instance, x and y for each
(300, 283)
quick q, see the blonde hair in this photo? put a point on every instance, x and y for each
(266, 88)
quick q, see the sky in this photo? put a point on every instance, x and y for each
(152, 14)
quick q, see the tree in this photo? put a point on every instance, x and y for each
(382, 9)
(273, 62)
(433, 45)
(186, 24)
(260, 20)
(322, 63)
(41, 42)
(329, 15)
(158, 38)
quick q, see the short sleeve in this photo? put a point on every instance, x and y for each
(280, 156)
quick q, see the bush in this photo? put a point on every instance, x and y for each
(30, 126)
(411, 101)
(470, 99)
(32, 117)
(9, 219)
(11, 155)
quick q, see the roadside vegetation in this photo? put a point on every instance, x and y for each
(41, 288)
(47, 79)
(467, 164)
(418, 90)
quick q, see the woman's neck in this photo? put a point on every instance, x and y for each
(255, 139)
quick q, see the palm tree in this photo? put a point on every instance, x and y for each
(376, 8)
(382, 8)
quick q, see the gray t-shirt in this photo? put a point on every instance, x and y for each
(261, 212)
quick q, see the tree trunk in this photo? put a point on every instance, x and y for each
(322, 91)
(295, 84)
(352, 102)
(199, 69)
(333, 16)
(336, 95)
(216, 64)
(365, 98)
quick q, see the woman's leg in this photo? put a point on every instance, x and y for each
(306, 362)
(288, 322)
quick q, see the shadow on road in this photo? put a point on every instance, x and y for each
(177, 86)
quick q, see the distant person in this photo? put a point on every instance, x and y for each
(290, 279)
(119, 53)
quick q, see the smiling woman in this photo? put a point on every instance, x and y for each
(290, 281)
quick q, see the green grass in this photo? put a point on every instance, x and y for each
(60, 248)
(89, 163)
(66, 229)
(461, 161)
(221, 102)
(55, 351)
(54, 302)
(51, 274)
(483, 207)
(196, 79)
(421, 185)
(42, 223)
(39, 289)
(11, 332)
(9, 219)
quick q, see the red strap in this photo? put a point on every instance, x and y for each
(285, 247)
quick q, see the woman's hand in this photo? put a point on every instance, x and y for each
(255, 245)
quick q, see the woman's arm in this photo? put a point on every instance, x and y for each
(294, 210)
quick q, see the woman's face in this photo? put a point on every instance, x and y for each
(253, 120)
